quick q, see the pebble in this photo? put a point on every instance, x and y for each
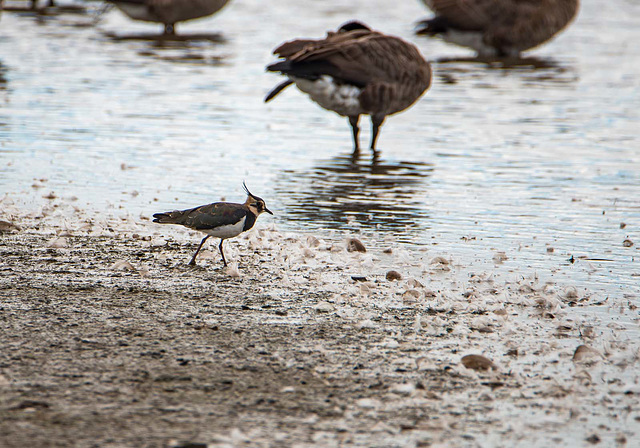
(477, 362)
(58, 243)
(324, 307)
(500, 257)
(584, 354)
(368, 403)
(8, 227)
(393, 275)
(312, 241)
(122, 265)
(355, 245)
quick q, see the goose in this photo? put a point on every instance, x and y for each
(498, 28)
(354, 71)
(168, 12)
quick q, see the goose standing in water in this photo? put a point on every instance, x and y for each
(498, 27)
(355, 71)
(168, 12)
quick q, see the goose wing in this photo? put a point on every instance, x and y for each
(359, 57)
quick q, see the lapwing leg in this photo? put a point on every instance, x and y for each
(376, 122)
(221, 252)
(353, 121)
(193, 260)
(169, 29)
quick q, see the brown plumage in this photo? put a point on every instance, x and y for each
(355, 71)
(168, 12)
(498, 27)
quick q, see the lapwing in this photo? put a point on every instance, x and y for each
(355, 71)
(498, 28)
(221, 219)
(168, 12)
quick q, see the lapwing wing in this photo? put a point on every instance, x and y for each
(221, 219)
(168, 12)
(498, 28)
(355, 71)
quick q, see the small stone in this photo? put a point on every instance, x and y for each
(571, 293)
(394, 275)
(324, 307)
(621, 439)
(623, 225)
(355, 245)
(477, 362)
(411, 294)
(388, 250)
(512, 352)
(627, 243)
(550, 250)
(586, 354)
(403, 388)
(500, 257)
(232, 270)
(593, 439)
(409, 300)
(439, 260)
(58, 243)
(312, 241)
(367, 323)
(122, 265)
(368, 403)
(51, 195)
(8, 227)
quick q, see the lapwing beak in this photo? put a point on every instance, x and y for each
(268, 211)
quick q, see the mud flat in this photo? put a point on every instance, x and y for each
(109, 339)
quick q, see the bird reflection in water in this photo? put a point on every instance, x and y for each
(532, 70)
(200, 48)
(3, 76)
(350, 191)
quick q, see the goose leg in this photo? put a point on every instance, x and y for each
(376, 122)
(353, 121)
(193, 260)
(221, 252)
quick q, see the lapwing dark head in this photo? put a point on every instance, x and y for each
(353, 25)
(255, 204)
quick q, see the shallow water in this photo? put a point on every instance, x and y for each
(539, 160)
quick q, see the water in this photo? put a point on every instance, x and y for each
(538, 160)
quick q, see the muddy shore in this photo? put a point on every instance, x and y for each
(110, 339)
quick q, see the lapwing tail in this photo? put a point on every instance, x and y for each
(277, 89)
(168, 217)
